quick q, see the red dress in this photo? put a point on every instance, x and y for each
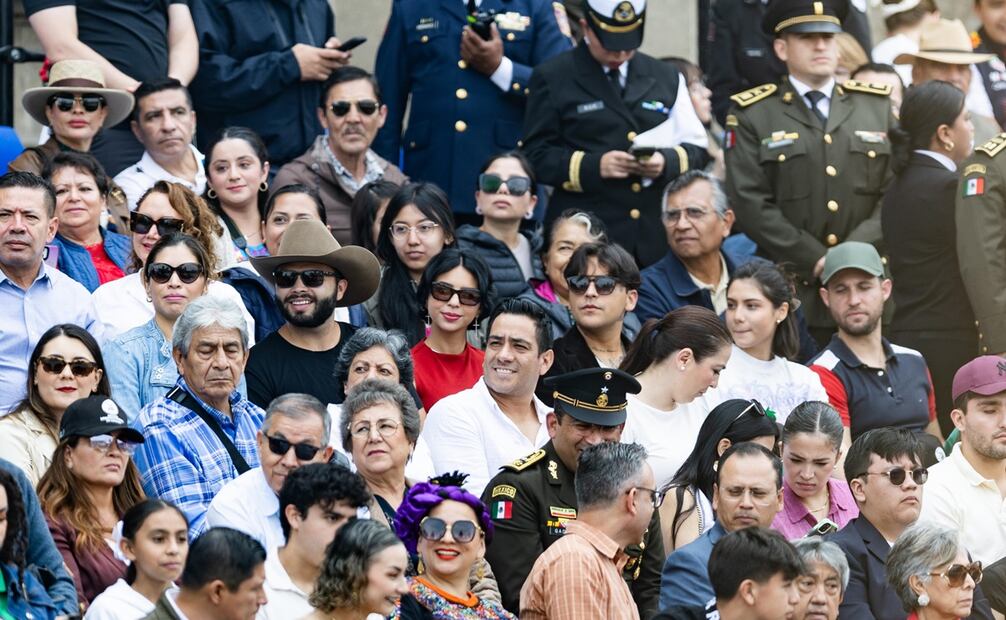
(443, 374)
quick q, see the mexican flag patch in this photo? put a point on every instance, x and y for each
(974, 187)
(502, 510)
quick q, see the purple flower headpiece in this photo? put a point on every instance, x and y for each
(425, 496)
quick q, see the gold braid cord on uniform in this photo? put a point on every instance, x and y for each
(573, 185)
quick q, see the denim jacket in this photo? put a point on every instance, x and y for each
(75, 260)
(26, 598)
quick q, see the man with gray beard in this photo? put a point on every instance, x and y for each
(313, 275)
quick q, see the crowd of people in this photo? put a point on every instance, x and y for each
(526, 323)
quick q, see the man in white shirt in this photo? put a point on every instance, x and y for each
(294, 433)
(499, 419)
(965, 490)
(315, 502)
(163, 121)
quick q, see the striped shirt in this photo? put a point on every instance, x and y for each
(578, 577)
(183, 462)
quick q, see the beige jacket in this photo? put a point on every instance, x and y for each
(27, 443)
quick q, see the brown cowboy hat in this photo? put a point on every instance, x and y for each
(77, 76)
(945, 41)
(310, 241)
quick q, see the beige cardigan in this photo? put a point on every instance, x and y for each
(27, 443)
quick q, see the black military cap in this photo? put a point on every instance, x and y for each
(96, 415)
(617, 23)
(804, 16)
(593, 395)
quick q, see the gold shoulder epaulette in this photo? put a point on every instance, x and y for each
(523, 463)
(754, 95)
(994, 146)
(866, 87)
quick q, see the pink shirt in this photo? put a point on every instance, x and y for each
(794, 520)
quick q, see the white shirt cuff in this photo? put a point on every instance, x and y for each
(503, 75)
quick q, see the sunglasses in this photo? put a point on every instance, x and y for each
(65, 102)
(433, 528)
(103, 443)
(957, 573)
(898, 475)
(604, 285)
(312, 278)
(55, 365)
(141, 224)
(303, 451)
(441, 291)
(366, 107)
(756, 407)
(162, 272)
(491, 184)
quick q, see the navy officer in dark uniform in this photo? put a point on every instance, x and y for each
(468, 93)
(586, 108)
(532, 499)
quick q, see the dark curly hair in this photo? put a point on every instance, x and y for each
(320, 484)
(425, 496)
(343, 574)
(15, 543)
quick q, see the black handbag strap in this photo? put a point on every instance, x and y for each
(186, 400)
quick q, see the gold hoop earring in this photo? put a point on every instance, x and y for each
(263, 187)
(212, 195)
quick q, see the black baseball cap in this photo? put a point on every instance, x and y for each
(618, 24)
(593, 395)
(804, 16)
(96, 415)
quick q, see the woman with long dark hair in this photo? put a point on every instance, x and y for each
(237, 173)
(22, 595)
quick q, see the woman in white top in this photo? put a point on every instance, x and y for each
(676, 359)
(166, 207)
(761, 305)
(155, 539)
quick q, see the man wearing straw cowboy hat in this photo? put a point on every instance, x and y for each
(313, 275)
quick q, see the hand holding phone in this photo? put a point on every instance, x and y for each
(352, 44)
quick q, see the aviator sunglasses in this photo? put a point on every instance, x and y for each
(604, 285)
(434, 529)
(366, 107)
(491, 184)
(162, 272)
(441, 291)
(64, 101)
(312, 278)
(303, 451)
(141, 224)
(957, 573)
(55, 365)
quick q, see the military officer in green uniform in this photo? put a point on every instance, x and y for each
(808, 159)
(981, 229)
(532, 499)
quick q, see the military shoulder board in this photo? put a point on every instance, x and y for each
(753, 95)
(994, 146)
(523, 463)
(866, 87)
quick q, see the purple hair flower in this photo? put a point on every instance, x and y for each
(425, 496)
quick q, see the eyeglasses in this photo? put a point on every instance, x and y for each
(671, 216)
(162, 272)
(385, 428)
(312, 278)
(658, 497)
(280, 446)
(604, 285)
(65, 101)
(54, 365)
(898, 475)
(957, 573)
(365, 107)
(103, 443)
(491, 184)
(423, 229)
(433, 528)
(441, 291)
(141, 224)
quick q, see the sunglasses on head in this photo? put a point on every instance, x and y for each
(365, 107)
(957, 573)
(303, 451)
(312, 278)
(604, 285)
(434, 529)
(441, 291)
(491, 184)
(162, 272)
(898, 475)
(55, 365)
(65, 101)
(141, 224)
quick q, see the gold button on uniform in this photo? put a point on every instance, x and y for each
(832, 206)
(516, 86)
(871, 154)
(827, 138)
(461, 93)
(636, 187)
(782, 157)
(831, 171)
(631, 136)
(424, 39)
(462, 64)
(832, 239)
(460, 126)
(634, 214)
(510, 36)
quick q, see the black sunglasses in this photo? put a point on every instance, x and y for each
(898, 475)
(957, 573)
(491, 184)
(65, 101)
(162, 272)
(604, 285)
(141, 224)
(55, 365)
(441, 291)
(433, 528)
(365, 107)
(303, 451)
(312, 278)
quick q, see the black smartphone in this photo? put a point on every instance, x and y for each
(352, 43)
(642, 153)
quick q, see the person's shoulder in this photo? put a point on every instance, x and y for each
(458, 405)
(239, 491)
(986, 152)
(140, 332)
(755, 95)
(273, 343)
(826, 358)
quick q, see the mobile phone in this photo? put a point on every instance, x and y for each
(352, 43)
(642, 153)
(823, 528)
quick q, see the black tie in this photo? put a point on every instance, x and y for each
(815, 97)
(615, 76)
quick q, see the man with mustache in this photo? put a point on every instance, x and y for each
(313, 275)
(340, 161)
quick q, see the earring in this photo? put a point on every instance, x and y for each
(149, 298)
(211, 194)
(777, 321)
(530, 215)
(420, 569)
(480, 571)
(478, 210)
(427, 321)
(263, 187)
(923, 599)
(949, 146)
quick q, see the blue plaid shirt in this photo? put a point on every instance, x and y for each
(183, 462)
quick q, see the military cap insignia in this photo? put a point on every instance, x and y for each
(602, 398)
(523, 463)
(624, 13)
(866, 87)
(994, 146)
(754, 95)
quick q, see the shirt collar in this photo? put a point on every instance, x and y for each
(540, 408)
(719, 286)
(151, 168)
(276, 575)
(234, 399)
(373, 171)
(796, 511)
(940, 157)
(844, 353)
(967, 471)
(802, 89)
(43, 275)
(270, 502)
(597, 539)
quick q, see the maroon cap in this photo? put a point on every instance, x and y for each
(985, 375)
